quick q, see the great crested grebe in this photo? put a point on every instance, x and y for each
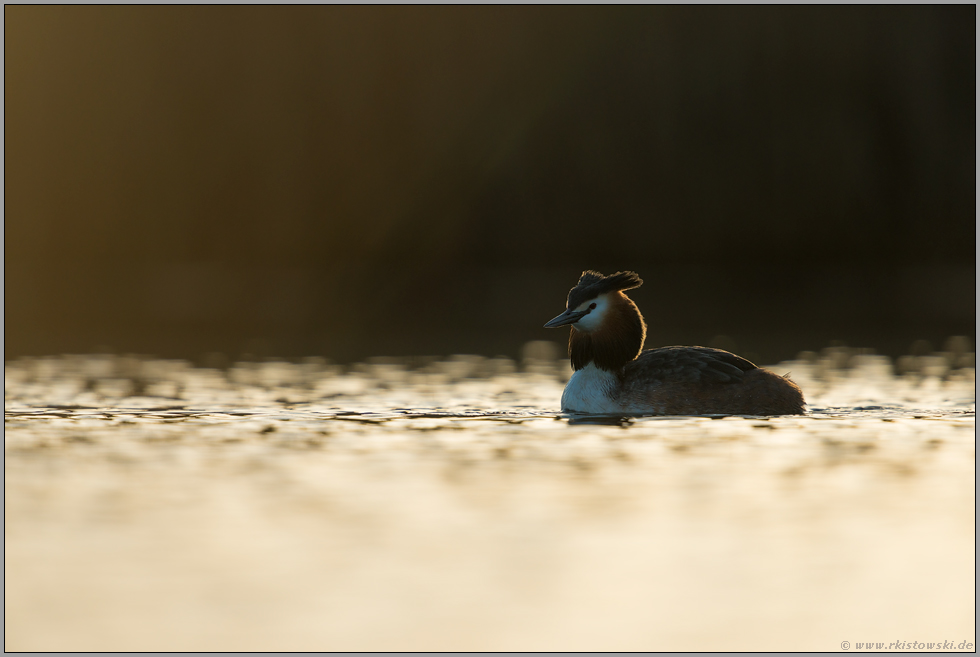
(613, 374)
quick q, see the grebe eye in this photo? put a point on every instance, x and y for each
(591, 306)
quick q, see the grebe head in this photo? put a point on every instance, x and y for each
(591, 298)
(607, 328)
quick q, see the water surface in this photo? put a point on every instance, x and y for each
(448, 505)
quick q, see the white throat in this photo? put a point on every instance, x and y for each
(591, 390)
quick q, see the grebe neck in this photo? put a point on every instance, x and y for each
(613, 344)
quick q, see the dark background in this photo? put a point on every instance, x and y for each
(357, 181)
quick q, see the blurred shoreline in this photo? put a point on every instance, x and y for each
(350, 181)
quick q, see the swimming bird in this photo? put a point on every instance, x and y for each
(612, 373)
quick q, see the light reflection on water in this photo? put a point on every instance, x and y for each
(446, 505)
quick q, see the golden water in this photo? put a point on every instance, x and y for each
(448, 506)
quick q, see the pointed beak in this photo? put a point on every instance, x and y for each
(567, 317)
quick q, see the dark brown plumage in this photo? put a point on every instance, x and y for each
(706, 381)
